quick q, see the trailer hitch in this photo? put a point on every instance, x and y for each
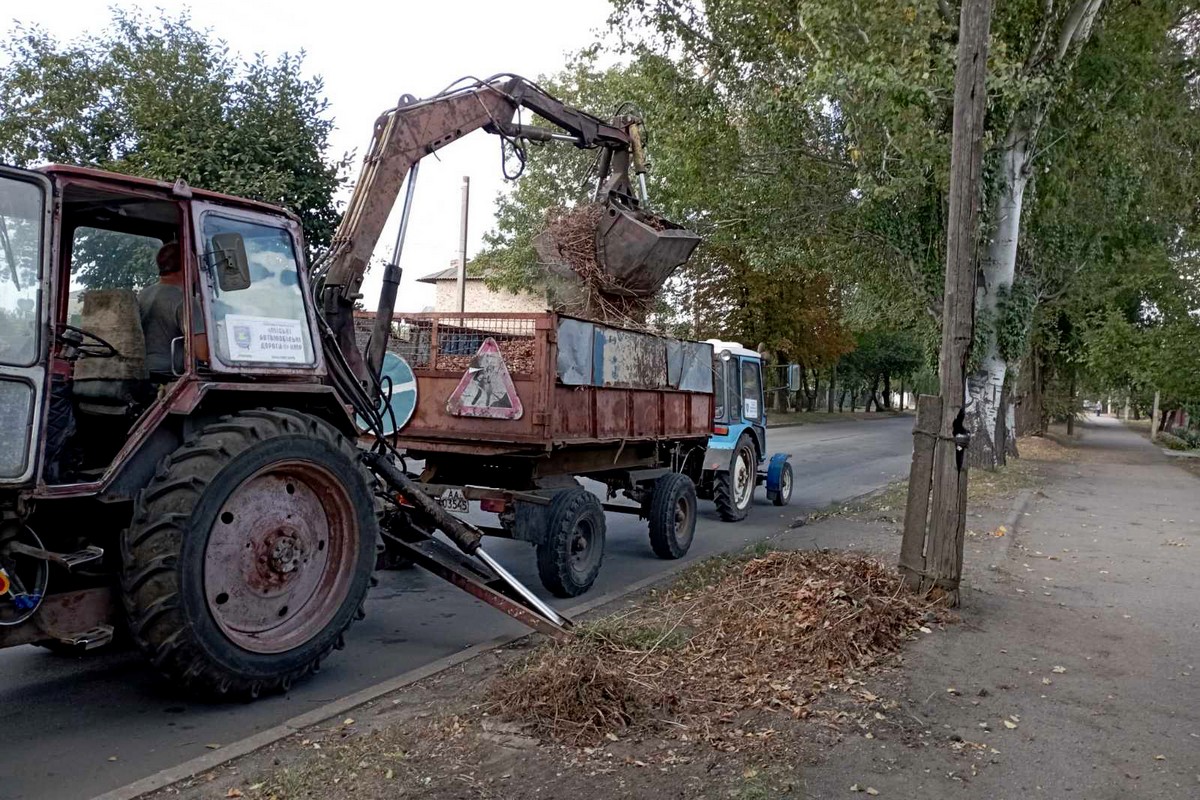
(499, 588)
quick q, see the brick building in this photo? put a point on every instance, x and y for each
(479, 297)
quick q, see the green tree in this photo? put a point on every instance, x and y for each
(156, 97)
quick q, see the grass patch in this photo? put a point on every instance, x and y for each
(708, 572)
(1173, 442)
(985, 487)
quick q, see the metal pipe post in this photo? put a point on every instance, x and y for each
(462, 246)
(382, 328)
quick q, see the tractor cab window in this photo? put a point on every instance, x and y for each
(20, 270)
(104, 259)
(752, 391)
(257, 305)
(719, 390)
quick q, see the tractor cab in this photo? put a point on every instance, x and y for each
(161, 375)
(736, 460)
(123, 302)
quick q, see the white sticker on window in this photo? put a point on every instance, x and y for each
(751, 408)
(279, 341)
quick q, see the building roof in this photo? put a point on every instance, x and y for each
(448, 274)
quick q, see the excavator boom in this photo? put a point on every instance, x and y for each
(415, 128)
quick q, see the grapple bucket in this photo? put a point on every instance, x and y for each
(640, 250)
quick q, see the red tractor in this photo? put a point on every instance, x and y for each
(211, 500)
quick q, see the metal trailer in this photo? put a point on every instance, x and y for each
(511, 409)
(737, 460)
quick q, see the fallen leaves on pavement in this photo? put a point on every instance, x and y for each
(764, 634)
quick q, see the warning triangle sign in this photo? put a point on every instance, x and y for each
(486, 388)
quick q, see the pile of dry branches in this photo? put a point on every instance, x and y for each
(764, 634)
(518, 354)
(569, 244)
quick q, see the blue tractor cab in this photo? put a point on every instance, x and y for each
(736, 459)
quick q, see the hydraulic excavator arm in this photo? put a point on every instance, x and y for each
(629, 241)
(414, 129)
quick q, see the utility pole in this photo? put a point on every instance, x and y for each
(931, 552)
(462, 246)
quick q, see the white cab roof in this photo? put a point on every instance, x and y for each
(735, 348)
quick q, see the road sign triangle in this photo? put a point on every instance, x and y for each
(486, 388)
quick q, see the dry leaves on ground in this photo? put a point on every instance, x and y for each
(763, 634)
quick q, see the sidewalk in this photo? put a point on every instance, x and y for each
(1073, 673)
(1070, 673)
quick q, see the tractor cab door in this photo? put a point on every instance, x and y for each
(25, 235)
(257, 313)
(753, 409)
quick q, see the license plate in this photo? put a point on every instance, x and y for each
(454, 500)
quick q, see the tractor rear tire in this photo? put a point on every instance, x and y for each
(733, 489)
(672, 516)
(250, 553)
(572, 550)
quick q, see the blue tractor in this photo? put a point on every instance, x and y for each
(736, 460)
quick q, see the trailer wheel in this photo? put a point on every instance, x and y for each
(733, 489)
(672, 515)
(570, 554)
(250, 553)
(784, 495)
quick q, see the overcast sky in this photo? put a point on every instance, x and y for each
(370, 53)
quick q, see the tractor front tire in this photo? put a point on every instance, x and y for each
(733, 489)
(250, 553)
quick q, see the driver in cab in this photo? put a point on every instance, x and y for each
(162, 316)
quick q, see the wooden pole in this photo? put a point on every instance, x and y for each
(920, 475)
(947, 522)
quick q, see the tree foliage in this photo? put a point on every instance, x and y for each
(156, 97)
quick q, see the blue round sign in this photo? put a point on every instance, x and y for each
(403, 385)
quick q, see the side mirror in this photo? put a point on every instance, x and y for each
(228, 259)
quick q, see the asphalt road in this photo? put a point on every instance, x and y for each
(72, 728)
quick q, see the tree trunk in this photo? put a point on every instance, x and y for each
(1003, 221)
(902, 394)
(816, 388)
(997, 267)
(1071, 404)
(1154, 419)
(887, 391)
(832, 387)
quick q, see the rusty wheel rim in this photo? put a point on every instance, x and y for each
(279, 561)
(583, 548)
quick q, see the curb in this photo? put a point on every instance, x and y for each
(798, 423)
(336, 708)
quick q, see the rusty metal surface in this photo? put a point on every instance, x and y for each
(105, 179)
(280, 557)
(557, 415)
(63, 614)
(640, 257)
(629, 359)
